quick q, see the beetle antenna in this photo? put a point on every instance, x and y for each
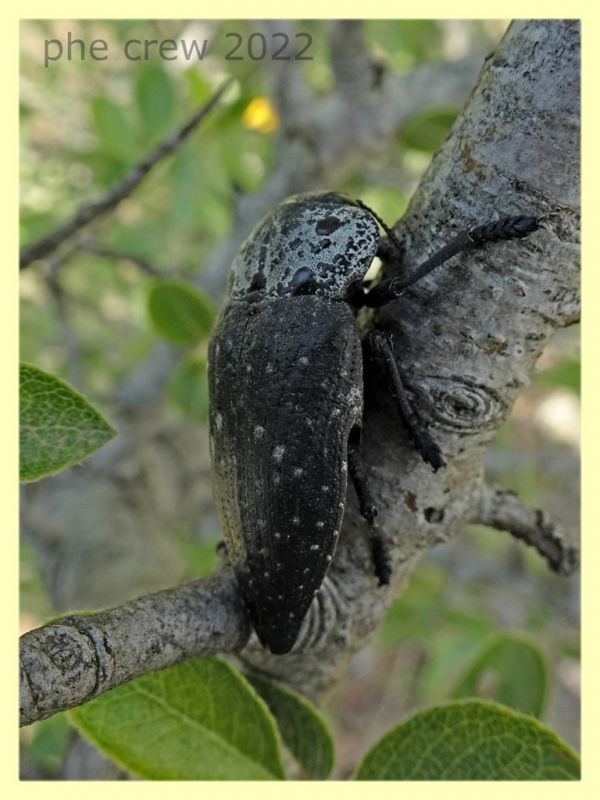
(506, 228)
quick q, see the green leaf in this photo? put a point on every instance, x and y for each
(113, 129)
(189, 389)
(469, 741)
(302, 728)
(155, 98)
(510, 671)
(58, 427)
(180, 313)
(199, 720)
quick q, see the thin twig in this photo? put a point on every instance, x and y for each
(502, 510)
(352, 64)
(90, 211)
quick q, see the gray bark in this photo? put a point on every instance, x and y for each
(468, 336)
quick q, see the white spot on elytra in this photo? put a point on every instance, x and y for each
(303, 360)
(320, 524)
(336, 533)
(296, 521)
(248, 367)
(291, 615)
(269, 368)
(325, 488)
(258, 432)
(219, 420)
(344, 466)
(301, 586)
(276, 479)
(314, 547)
(329, 558)
(277, 535)
(278, 453)
(298, 472)
(266, 574)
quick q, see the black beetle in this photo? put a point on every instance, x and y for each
(286, 396)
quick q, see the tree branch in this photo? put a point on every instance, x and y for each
(68, 662)
(90, 211)
(353, 67)
(501, 509)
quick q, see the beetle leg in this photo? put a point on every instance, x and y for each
(507, 228)
(380, 344)
(368, 510)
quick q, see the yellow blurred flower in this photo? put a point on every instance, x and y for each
(259, 115)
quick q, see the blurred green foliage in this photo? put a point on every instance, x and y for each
(180, 312)
(200, 555)
(566, 374)
(47, 743)
(188, 387)
(509, 670)
(460, 635)
(34, 601)
(427, 131)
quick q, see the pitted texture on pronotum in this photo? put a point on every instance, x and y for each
(326, 234)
